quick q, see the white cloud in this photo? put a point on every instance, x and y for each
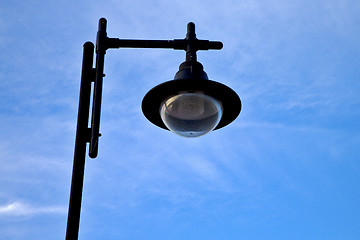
(202, 167)
(18, 209)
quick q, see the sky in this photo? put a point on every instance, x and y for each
(287, 168)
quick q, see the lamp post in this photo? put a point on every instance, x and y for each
(190, 105)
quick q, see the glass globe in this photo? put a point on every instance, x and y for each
(191, 114)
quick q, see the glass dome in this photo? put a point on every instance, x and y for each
(191, 114)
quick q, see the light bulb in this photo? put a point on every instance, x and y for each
(191, 114)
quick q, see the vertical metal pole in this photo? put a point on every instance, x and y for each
(191, 47)
(82, 137)
(100, 57)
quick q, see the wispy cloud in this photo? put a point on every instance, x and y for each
(19, 209)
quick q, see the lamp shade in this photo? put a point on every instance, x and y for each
(191, 105)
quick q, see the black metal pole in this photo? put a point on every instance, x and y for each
(100, 58)
(82, 137)
(191, 43)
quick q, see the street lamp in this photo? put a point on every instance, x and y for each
(191, 105)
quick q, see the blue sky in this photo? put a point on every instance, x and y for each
(287, 168)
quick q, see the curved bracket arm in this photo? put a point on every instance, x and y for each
(190, 44)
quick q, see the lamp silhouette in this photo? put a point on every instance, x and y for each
(191, 105)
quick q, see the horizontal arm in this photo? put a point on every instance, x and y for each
(178, 44)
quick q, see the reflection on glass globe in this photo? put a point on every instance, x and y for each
(191, 114)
